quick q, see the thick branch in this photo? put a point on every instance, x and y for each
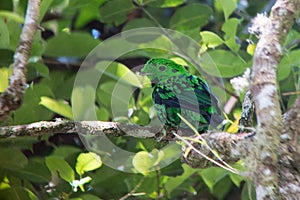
(289, 153)
(11, 99)
(227, 145)
(264, 90)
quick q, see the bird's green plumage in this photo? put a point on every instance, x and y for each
(175, 91)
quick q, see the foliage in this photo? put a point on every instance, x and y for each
(56, 166)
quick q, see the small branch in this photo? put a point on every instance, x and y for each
(247, 113)
(131, 193)
(11, 99)
(225, 144)
(85, 127)
(289, 153)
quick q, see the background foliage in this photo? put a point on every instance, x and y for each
(59, 166)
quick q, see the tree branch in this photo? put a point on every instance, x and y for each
(272, 32)
(11, 99)
(227, 145)
(289, 153)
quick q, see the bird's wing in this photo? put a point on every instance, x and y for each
(187, 92)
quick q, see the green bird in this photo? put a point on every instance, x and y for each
(176, 91)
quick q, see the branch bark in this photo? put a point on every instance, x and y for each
(11, 99)
(264, 159)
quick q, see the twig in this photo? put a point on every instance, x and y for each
(131, 193)
(12, 98)
(247, 112)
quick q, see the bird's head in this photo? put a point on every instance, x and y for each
(161, 68)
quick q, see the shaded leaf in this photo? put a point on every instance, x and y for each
(60, 167)
(12, 159)
(70, 45)
(190, 17)
(223, 63)
(289, 60)
(115, 11)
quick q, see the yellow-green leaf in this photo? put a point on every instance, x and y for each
(60, 107)
(87, 162)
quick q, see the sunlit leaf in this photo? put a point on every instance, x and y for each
(60, 107)
(118, 72)
(228, 7)
(211, 39)
(87, 162)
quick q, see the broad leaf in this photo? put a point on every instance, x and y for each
(211, 39)
(190, 17)
(12, 159)
(60, 107)
(70, 45)
(60, 167)
(222, 63)
(116, 11)
(87, 162)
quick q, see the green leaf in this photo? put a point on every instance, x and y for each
(222, 63)
(145, 162)
(173, 182)
(102, 114)
(44, 8)
(228, 7)
(12, 159)
(87, 162)
(83, 103)
(4, 78)
(4, 34)
(211, 39)
(190, 17)
(70, 45)
(60, 167)
(161, 3)
(12, 15)
(6, 5)
(35, 171)
(236, 179)
(248, 192)
(17, 193)
(222, 187)
(118, 72)
(230, 29)
(212, 175)
(60, 107)
(287, 62)
(140, 38)
(41, 68)
(116, 97)
(65, 151)
(116, 11)
(6, 57)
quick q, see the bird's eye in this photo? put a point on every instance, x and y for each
(162, 68)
